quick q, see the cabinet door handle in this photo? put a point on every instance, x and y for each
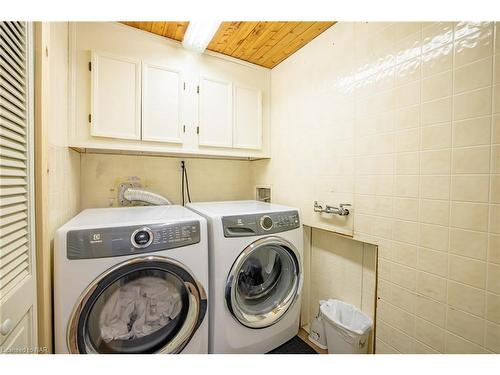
(6, 327)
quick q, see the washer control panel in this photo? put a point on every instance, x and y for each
(259, 224)
(119, 241)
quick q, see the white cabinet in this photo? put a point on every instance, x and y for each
(215, 111)
(247, 118)
(116, 96)
(161, 104)
(230, 115)
(144, 94)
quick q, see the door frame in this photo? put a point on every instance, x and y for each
(41, 133)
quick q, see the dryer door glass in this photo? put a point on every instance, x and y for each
(145, 306)
(263, 282)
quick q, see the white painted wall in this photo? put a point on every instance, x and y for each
(209, 179)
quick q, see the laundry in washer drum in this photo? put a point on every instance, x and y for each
(259, 275)
(139, 308)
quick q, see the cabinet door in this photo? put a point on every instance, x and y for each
(20, 340)
(247, 118)
(161, 104)
(215, 113)
(116, 96)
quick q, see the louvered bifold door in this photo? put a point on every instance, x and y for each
(17, 267)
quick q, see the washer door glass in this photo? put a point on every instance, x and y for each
(263, 282)
(143, 307)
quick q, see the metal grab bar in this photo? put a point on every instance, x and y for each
(341, 211)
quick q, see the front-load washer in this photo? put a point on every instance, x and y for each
(131, 280)
(255, 273)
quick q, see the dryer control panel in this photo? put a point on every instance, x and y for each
(259, 224)
(129, 240)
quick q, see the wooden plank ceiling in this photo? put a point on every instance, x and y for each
(262, 43)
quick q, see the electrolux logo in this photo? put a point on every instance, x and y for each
(96, 238)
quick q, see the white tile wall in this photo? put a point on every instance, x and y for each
(414, 110)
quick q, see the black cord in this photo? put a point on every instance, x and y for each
(187, 184)
(182, 183)
(185, 176)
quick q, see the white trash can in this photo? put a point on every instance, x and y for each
(347, 329)
(317, 331)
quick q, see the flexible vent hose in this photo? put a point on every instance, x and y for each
(134, 194)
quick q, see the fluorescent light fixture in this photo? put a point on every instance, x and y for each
(199, 34)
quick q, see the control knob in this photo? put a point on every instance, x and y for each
(266, 222)
(142, 238)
